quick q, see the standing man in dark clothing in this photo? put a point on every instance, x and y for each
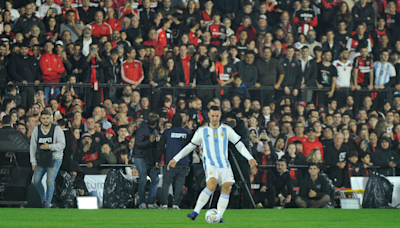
(238, 126)
(4, 74)
(326, 78)
(335, 157)
(80, 67)
(270, 72)
(172, 141)
(145, 160)
(292, 69)
(248, 70)
(186, 66)
(46, 153)
(86, 13)
(364, 12)
(96, 63)
(27, 21)
(314, 189)
(280, 180)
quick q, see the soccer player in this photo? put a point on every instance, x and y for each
(214, 138)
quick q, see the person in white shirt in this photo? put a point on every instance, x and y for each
(214, 139)
(343, 80)
(14, 13)
(384, 71)
(45, 7)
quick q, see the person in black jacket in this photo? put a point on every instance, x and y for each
(292, 78)
(314, 189)
(280, 180)
(335, 156)
(247, 69)
(145, 160)
(261, 193)
(238, 89)
(293, 157)
(364, 12)
(185, 63)
(205, 75)
(93, 95)
(238, 126)
(386, 158)
(24, 68)
(112, 73)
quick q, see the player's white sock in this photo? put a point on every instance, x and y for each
(202, 200)
(222, 203)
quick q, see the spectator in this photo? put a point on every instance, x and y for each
(86, 13)
(343, 80)
(112, 19)
(72, 26)
(248, 70)
(49, 5)
(279, 179)
(89, 153)
(248, 27)
(292, 68)
(145, 160)
(99, 27)
(359, 40)
(305, 18)
(132, 72)
(335, 157)
(26, 21)
(217, 29)
(385, 157)
(363, 12)
(312, 143)
(97, 137)
(314, 190)
(52, 68)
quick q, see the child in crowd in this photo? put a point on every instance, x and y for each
(12, 94)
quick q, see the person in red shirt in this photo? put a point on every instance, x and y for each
(205, 15)
(194, 26)
(217, 30)
(132, 71)
(162, 35)
(251, 31)
(298, 134)
(67, 6)
(154, 42)
(99, 27)
(112, 21)
(186, 67)
(312, 143)
(52, 67)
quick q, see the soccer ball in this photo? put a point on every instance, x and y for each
(213, 216)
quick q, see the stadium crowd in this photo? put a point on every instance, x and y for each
(302, 82)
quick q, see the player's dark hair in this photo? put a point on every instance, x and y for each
(215, 108)
(313, 164)
(6, 120)
(177, 120)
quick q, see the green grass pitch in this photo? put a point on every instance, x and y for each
(15, 217)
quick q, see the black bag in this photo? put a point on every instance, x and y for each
(378, 192)
(117, 191)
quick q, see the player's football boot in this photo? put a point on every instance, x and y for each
(193, 215)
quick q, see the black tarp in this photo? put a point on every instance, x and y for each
(378, 192)
(64, 192)
(117, 190)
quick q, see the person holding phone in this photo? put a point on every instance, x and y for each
(93, 94)
(44, 8)
(89, 153)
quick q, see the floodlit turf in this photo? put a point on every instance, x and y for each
(310, 218)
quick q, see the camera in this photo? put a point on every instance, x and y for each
(54, 11)
(86, 143)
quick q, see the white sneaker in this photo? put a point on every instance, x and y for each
(164, 207)
(175, 207)
(152, 206)
(142, 206)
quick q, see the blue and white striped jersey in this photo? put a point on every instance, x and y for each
(383, 72)
(215, 144)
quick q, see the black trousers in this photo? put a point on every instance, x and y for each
(176, 177)
(267, 199)
(27, 96)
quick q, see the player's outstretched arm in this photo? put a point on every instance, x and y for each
(243, 150)
(185, 151)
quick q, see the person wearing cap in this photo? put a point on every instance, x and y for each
(327, 138)
(335, 156)
(312, 143)
(74, 27)
(89, 153)
(46, 153)
(26, 21)
(262, 26)
(109, 134)
(52, 67)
